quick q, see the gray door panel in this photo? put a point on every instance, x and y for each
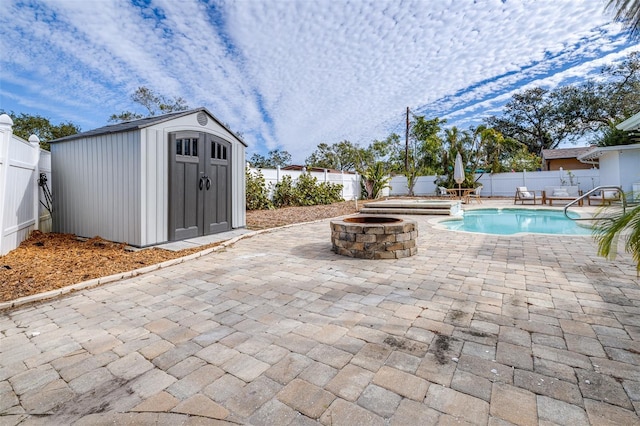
(217, 203)
(187, 223)
(185, 196)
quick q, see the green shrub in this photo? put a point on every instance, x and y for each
(257, 193)
(374, 179)
(306, 192)
(284, 193)
(329, 193)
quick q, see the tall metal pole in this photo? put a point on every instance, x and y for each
(406, 144)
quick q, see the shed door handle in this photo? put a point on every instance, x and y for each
(208, 182)
(201, 184)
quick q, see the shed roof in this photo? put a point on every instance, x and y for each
(141, 124)
(553, 154)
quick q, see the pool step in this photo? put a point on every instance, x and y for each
(421, 207)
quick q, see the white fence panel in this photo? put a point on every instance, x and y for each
(424, 186)
(19, 190)
(504, 184)
(494, 185)
(398, 186)
(350, 182)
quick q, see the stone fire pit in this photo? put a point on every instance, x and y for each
(374, 237)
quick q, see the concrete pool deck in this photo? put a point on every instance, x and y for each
(277, 329)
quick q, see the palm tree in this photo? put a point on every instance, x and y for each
(627, 11)
(608, 230)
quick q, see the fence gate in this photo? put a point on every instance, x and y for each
(199, 175)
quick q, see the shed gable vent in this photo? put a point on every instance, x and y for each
(202, 119)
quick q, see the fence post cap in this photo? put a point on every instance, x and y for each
(6, 120)
(34, 139)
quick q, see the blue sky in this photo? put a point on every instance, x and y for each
(291, 74)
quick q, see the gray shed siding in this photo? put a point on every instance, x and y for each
(98, 187)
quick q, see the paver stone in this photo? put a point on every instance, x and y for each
(200, 405)
(161, 401)
(309, 399)
(402, 383)
(601, 413)
(414, 413)
(513, 404)
(350, 382)
(560, 412)
(458, 404)
(343, 413)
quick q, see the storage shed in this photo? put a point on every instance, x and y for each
(149, 181)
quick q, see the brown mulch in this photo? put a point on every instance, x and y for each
(261, 219)
(47, 262)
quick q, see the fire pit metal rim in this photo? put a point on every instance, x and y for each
(374, 220)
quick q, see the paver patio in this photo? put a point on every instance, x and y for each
(278, 330)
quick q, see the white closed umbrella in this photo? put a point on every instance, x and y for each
(458, 172)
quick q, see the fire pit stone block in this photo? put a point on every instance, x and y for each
(374, 237)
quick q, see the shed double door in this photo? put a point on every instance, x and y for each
(199, 201)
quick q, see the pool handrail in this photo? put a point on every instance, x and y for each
(588, 193)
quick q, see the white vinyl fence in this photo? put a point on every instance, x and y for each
(504, 184)
(22, 164)
(494, 185)
(350, 182)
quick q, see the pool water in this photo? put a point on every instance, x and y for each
(514, 221)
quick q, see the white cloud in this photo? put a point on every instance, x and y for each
(292, 74)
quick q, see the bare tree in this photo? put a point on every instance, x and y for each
(153, 103)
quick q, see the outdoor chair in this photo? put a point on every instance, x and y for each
(475, 195)
(523, 194)
(561, 193)
(605, 197)
(442, 191)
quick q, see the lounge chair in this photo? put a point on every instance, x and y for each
(523, 194)
(605, 197)
(560, 193)
(475, 195)
(442, 191)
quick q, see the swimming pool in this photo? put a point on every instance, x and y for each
(515, 221)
